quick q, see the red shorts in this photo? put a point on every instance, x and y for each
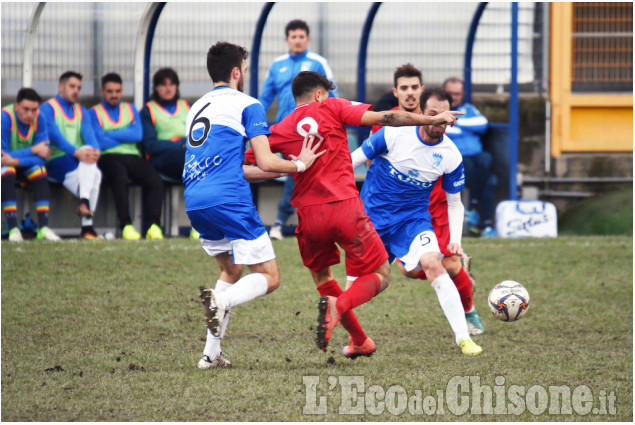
(442, 232)
(439, 212)
(345, 222)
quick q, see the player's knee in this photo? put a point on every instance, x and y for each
(383, 271)
(452, 265)
(273, 282)
(485, 160)
(98, 177)
(412, 274)
(232, 274)
(492, 180)
(431, 264)
(383, 284)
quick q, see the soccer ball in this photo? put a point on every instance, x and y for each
(508, 301)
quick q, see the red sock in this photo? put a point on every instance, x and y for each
(349, 320)
(362, 291)
(421, 275)
(464, 286)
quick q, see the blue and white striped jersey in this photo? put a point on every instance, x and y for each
(217, 126)
(403, 173)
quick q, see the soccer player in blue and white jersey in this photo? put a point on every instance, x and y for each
(407, 162)
(218, 199)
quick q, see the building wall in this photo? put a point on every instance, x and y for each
(592, 77)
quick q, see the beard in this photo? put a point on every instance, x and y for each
(241, 83)
(435, 135)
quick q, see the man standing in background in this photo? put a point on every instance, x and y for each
(278, 84)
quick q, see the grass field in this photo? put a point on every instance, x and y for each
(112, 331)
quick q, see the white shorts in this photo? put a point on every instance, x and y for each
(243, 251)
(421, 244)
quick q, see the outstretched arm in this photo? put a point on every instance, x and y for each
(253, 173)
(402, 118)
(267, 161)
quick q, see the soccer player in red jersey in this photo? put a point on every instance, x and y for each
(408, 88)
(328, 205)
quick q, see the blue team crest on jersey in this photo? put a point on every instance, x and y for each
(436, 159)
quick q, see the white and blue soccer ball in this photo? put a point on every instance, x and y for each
(508, 301)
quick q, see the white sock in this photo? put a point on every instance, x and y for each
(246, 289)
(212, 345)
(450, 301)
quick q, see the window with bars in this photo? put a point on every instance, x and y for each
(602, 47)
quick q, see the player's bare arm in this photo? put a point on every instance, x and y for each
(402, 118)
(253, 173)
(267, 161)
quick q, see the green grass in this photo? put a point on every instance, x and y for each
(112, 331)
(609, 214)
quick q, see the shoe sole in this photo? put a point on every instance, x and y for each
(323, 333)
(213, 323)
(356, 355)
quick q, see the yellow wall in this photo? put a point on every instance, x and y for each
(583, 122)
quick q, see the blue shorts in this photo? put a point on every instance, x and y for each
(231, 221)
(398, 238)
(58, 168)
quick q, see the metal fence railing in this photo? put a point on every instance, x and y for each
(93, 38)
(602, 47)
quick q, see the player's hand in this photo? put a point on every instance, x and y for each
(455, 248)
(8, 160)
(446, 117)
(307, 154)
(87, 154)
(42, 150)
(95, 154)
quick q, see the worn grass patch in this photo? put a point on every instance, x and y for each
(112, 331)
